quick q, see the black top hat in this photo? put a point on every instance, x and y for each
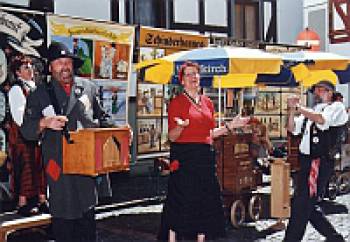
(58, 50)
(324, 83)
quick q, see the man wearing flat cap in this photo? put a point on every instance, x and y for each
(315, 127)
(64, 103)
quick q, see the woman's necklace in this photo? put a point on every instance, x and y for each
(196, 101)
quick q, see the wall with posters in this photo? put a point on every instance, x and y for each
(152, 99)
(106, 50)
(270, 108)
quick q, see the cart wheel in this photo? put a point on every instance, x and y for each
(332, 189)
(343, 183)
(255, 207)
(237, 213)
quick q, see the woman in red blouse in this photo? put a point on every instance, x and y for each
(193, 208)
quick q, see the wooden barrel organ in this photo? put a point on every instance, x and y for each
(237, 177)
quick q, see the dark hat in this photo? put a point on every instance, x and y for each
(324, 83)
(58, 50)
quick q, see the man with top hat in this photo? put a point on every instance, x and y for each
(315, 126)
(64, 103)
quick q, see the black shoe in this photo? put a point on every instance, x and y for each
(335, 238)
(27, 210)
(44, 207)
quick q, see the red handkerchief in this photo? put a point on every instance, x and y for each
(53, 170)
(313, 176)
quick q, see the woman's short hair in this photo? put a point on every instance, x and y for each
(182, 68)
(17, 61)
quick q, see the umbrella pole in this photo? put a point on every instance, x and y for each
(219, 101)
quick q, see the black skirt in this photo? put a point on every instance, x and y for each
(193, 205)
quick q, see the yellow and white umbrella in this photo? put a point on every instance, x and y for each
(311, 67)
(215, 62)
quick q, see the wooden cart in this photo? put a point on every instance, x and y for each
(237, 177)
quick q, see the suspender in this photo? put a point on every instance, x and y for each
(303, 127)
(54, 101)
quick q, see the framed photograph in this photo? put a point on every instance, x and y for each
(105, 60)
(148, 53)
(158, 104)
(148, 137)
(268, 103)
(113, 98)
(284, 120)
(149, 100)
(285, 96)
(82, 48)
(273, 124)
(165, 144)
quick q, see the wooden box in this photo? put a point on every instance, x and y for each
(96, 151)
(234, 163)
(280, 192)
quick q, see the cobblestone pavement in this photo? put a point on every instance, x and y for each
(140, 223)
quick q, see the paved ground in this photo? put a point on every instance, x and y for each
(140, 223)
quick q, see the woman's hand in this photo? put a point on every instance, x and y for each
(176, 132)
(182, 123)
(238, 122)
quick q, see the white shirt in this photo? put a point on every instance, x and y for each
(17, 102)
(334, 115)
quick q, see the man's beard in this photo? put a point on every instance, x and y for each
(59, 76)
(317, 100)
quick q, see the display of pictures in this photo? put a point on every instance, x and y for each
(106, 50)
(268, 103)
(271, 108)
(149, 135)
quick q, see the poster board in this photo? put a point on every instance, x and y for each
(106, 49)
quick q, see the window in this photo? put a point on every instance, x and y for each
(246, 21)
(145, 12)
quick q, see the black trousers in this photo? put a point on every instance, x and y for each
(75, 230)
(306, 209)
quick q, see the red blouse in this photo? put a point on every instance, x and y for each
(201, 119)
